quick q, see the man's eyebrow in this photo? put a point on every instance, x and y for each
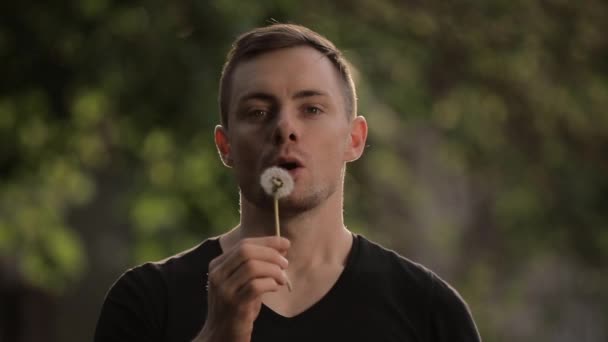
(257, 96)
(309, 93)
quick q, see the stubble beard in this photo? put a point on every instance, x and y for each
(295, 204)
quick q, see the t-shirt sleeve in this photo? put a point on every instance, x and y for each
(134, 307)
(451, 319)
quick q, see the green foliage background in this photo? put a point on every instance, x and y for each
(487, 156)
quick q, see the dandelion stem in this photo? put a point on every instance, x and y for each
(277, 227)
(276, 216)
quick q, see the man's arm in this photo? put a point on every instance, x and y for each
(237, 280)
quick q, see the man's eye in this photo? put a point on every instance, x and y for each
(257, 114)
(313, 110)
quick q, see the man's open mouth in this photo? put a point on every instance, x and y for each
(289, 165)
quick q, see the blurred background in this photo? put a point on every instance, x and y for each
(487, 157)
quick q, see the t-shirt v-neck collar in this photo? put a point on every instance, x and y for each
(268, 314)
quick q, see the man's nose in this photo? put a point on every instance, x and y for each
(286, 129)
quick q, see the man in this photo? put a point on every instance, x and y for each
(287, 99)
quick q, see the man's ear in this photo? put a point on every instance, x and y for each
(356, 139)
(223, 145)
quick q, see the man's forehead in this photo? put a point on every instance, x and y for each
(300, 68)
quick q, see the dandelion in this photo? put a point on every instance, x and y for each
(277, 183)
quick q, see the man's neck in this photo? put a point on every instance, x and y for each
(320, 245)
(318, 236)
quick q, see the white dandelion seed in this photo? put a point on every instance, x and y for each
(277, 182)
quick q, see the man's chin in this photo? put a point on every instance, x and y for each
(293, 207)
(289, 206)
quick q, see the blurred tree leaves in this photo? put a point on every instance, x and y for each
(486, 158)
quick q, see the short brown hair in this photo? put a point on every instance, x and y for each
(280, 36)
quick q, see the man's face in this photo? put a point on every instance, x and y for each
(287, 109)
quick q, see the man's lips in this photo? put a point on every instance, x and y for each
(288, 163)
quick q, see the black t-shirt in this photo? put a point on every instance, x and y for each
(380, 296)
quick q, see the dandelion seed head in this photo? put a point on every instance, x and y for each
(276, 182)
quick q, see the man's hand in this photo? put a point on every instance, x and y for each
(237, 280)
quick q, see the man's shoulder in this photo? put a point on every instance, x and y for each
(200, 254)
(154, 297)
(392, 271)
(426, 299)
(391, 265)
(193, 260)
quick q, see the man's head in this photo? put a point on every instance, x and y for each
(280, 36)
(289, 107)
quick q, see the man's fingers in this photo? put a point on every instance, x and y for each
(257, 287)
(262, 249)
(253, 269)
(276, 242)
(280, 244)
(250, 272)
